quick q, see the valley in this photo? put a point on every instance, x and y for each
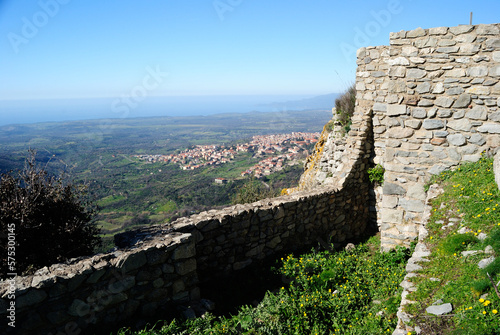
(153, 170)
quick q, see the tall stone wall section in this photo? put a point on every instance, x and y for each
(325, 165)
(435, 97)
(160, 267)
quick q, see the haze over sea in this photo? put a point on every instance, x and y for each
(48, 110)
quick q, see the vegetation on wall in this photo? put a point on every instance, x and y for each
(376, 174)
(344, 106)
(48, 219)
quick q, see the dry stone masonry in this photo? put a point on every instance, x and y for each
(160, 267)
(435, 98)
(424, 104)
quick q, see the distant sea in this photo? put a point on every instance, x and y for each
(34, 111)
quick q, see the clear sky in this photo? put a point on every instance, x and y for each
(109, 48)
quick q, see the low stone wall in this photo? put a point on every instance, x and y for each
(161, 266)
(93, 294)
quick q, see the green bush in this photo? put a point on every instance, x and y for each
(253, 190)
(344, 106)
(51, 219)
(376, 174)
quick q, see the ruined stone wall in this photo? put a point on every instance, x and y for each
(159, 267)
(94, 294)
(435, 97)
(327, 161)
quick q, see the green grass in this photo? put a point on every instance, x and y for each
(170, 206)
(353, 292)
(471, 201)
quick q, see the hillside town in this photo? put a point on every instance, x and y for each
(275, 151)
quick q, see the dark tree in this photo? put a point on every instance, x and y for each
(53, 219)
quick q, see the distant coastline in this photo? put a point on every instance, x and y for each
(56, 110)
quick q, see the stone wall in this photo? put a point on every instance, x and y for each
(435, 97)
(159, 267)
(324, 166)
(93, 294)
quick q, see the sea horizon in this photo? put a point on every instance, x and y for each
(60, 110)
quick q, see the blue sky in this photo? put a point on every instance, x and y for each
(63, 49)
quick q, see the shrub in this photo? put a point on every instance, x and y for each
(252, 191)
(345, 107)
(376, 174)
(51, 219)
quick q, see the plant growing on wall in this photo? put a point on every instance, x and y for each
(344, 106)
(376, 174)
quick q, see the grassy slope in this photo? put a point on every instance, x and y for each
(471, 202)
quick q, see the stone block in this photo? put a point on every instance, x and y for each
(415, 124)
(496, 56)
(454, 155)
(419, 32)
(393, 189)
(463, 101)
(398, 61)
(437, 169)
(241, 265)
(419, 113)
(416, 191)
(478, 90)
(496, 168)
(185, 267)
(392, 215)
(477, 139)
(471, 158)
(131, 261)
(121, 285)
(477, 71)
(495, 116)
(444, 102)
(495, 71)
(416, 73)
(394, 110)
(477, 113)
(424, 87)
(399, 132)
(439, 309)
(438, 88)
(469, 49)
(186, 250)
(487, 29)
(444, 113)
(455, 73)
(491, 128)
(412, 205)
(462, 29)
(493, 43)
(459, 125)
(456, 139)
(438, 31)
(433, 124)
(447, 50)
